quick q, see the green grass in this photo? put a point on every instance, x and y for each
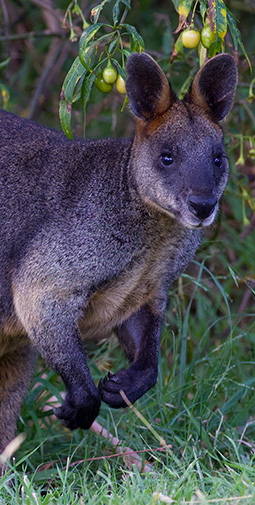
(202, 406)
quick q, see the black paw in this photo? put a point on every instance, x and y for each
(134, 384)
(79, 410)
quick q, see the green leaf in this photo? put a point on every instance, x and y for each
(75, 73)
(178, 45)
(176, 4)
(113, 45)
(77, 93)
(120, 69)
(215, 47)
(85, 94)
(5, 62)
(203, 8)
(5, 95)
(87, 54)
(126, 52)
(236, 35)
(183, 7)
(88, 34)
(116, 9)
(65, 111)
(95, 12)
(218, 17)
(137, 42)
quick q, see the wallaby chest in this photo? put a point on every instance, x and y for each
(146, 278)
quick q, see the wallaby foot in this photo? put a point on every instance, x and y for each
(80, 409)
(132, 381)
(139, 335)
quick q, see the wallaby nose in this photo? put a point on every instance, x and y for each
(200, 206)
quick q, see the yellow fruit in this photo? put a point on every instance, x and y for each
(120, 85)
(191, 38)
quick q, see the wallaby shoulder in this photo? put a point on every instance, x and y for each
(45, 175)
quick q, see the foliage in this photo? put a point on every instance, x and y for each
(203, 405)
(97, 48)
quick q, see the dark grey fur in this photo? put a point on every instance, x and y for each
(93, 233)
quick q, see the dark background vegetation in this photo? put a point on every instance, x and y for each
(207, 369)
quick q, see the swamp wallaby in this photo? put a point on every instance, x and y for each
(92, 234)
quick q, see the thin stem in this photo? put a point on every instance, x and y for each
(193, 13)
(29, 35)
(249, 112)
(124, 15)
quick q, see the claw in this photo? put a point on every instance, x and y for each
(114, 378)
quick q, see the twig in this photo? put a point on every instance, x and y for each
(6, 17)
(249, 112)
(116, 455)
(30, 35)
(45, 4)
(42, 80)
(246, 297)
(57, 13)
(129, 459)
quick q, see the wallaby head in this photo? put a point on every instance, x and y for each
(179, 160)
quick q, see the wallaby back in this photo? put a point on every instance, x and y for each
(93, 233)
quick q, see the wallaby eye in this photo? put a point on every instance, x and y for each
(166, 159)
(218, 161)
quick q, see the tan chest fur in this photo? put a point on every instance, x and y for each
(116, 301)
(12, 336)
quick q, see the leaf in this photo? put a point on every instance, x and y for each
(116, 9)
(218, 17)
(113, 45)
(177, 48)
(65, 111)
(75, 73)
(137, 42)
(5, 95)
(215, 47)
(176, 4)
(5, 62)
(95, 12)
(77, 93)
(121, 70)
(236, 35)
(85, 94)
(87, 54)
(88, 34)
(183, 8)
(126, 52)
(203, 8)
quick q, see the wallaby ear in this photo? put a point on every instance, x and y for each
(147, 87)
(214, 85)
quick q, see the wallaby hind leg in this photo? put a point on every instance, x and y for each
(16, 369)
(139, 336)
